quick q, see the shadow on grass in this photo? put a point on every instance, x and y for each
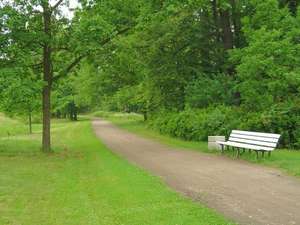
(30, 148)
(15, 148)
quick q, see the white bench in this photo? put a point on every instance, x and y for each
(257, 141)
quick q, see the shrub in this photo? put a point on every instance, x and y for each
(220, 120)
(196, 124)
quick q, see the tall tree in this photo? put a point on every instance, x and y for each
(30, 37)
(37, 31)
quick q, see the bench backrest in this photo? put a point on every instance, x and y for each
(254, 138)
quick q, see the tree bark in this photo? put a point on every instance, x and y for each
(236, 20)
(216, 19)
(29, 123)
(226, 29)
(145, 115)
(75, 114)
(46, 145)
(293, 4)
(47, 72)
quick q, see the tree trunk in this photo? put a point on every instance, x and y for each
(145, 114)
(71, 114)
(72, 111)
(47, 70)
(58, 114)
(216, 19)
(75, 114)
(29, 123)
(236, 20)
(46, 119)
(226, 28)
(293, 4)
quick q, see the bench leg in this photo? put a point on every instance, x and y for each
(263, 154)
(269, 154)
(250, 151)
(222, 149)
(238, 153)
(256, 155)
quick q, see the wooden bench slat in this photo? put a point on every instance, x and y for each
(256, 141)
(265, 139)
(246, 146)
(252, 142)
(258, 134)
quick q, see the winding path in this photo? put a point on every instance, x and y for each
(246, 193)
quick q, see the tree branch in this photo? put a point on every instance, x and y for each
(60, 49)
(56, 5)
(107, 40)
(70, 67)
(35, 65)
(35, 11)
(77, 60)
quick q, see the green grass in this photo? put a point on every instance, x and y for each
(82, 182)
(286, 160)
(10, 127)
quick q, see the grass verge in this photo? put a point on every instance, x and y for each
(284, 159)
(82, 182)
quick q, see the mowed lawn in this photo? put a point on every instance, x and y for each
(82, 182)
(284, 159)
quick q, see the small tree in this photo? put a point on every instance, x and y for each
(20, 94)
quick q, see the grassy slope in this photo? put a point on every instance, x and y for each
(286, 160)
(83, 183)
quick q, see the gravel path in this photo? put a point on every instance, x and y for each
(244, 192)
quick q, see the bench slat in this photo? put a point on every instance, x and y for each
(265, 139)
(252, 142)
(258, 134)
(247, 146)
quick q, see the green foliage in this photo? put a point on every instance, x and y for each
(199, 124)
(205, 91)
(268, 68)
(63, 100)
(177, 70)
(20, 94)
(282, 118)
(196, 124)
(221, 64)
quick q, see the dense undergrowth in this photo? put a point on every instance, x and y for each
(198, 124)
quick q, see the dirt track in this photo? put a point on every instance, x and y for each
(247, 193)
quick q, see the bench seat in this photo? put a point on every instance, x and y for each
(257, 141)
(246, 146)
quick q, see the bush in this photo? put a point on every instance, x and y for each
(196, 124)
(220, 120)
(283, 119)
